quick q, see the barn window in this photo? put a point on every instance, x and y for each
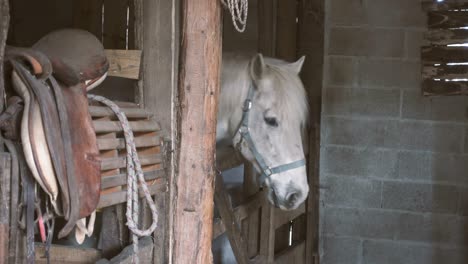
(445, 54)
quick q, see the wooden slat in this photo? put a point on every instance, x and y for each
(121, 179)
(433, 5)
(102, 111)
(445, 72)
(120, 162)
(294, 254)
(119, 143)
(437, 54)
(439, 88)
(66, 254)
(241, 212)
(114, 126)
(223, 203)
(124, 63)
(447, 19)
(252, 223)
(446, 36)
(120, 197)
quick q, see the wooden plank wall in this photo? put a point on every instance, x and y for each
(445, 20)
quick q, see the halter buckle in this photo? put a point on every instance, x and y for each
(268, 172)
(247, 105)
(244, 130)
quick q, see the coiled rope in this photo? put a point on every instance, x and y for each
(239, 10)
(133, 171)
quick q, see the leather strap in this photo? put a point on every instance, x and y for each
(244, 131)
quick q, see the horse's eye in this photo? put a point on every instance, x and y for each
(271, 121)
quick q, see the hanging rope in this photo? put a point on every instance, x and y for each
(133, 165)
(239, 10)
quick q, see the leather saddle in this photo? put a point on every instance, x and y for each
(57, 133)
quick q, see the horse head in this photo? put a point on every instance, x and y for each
(274, 114)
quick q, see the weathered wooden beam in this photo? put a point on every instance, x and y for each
(311, 44)
(446, 36)
(199, 80)
(124, 63)
(447, 19)
(431, 55)
(4, 23)
(440, 88)
(445, 72)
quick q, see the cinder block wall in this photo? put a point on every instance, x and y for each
(394, 165)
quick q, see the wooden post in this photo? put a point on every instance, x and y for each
(4, 159)
(311, 43)
(199, 80)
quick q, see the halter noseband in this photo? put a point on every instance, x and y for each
(244, 132)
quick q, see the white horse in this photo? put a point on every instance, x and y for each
(262, 111)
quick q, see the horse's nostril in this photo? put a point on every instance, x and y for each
(292, 198)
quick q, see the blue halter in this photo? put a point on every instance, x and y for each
(244, 132)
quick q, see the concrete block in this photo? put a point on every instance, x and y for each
(466, 139)
(445, 108)
(389, 73)
(463, 206)
(420, 197)
(358, 132)
(365, 223)
(431, 136)
(351, 192)
(366, 42)
(423, 166)
(396, 13)
(359, 162)
(362, 102)
(413, 41)
(383, 224)
(399, 252)
(341, 71)
(347, 12)
(434, 228)
(339, 250)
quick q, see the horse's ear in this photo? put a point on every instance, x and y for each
(297, 66)
(257, 67)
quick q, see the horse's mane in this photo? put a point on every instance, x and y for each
(292, 96)
(292, 99)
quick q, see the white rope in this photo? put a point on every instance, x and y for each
(239, 10)
(133, 164)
